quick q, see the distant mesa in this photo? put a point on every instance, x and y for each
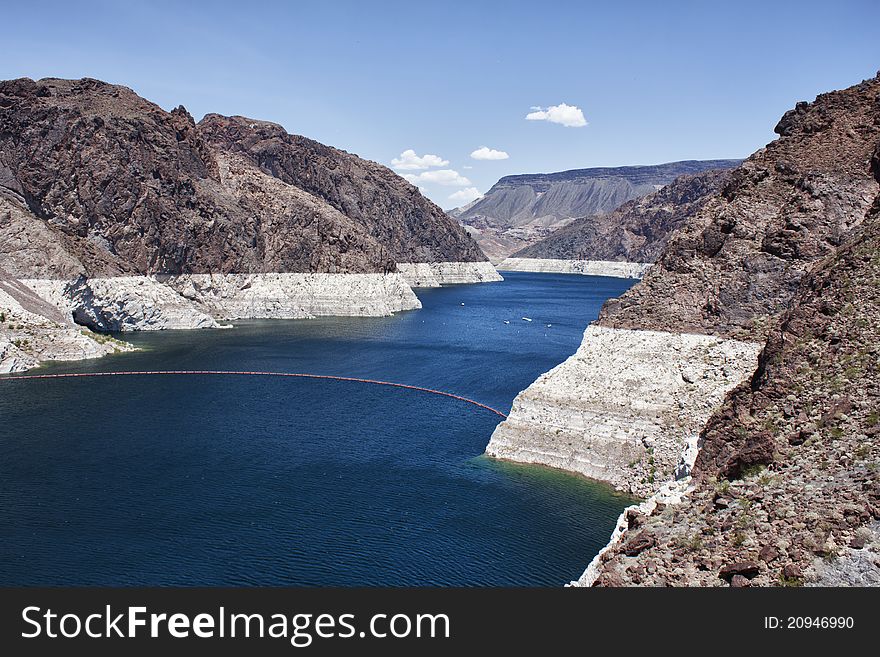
(523, 209)
(626, 241)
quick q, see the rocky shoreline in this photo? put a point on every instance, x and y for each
(625, 406)
(435, 274)
(66, 313)
(616, 269)
(777, 481)
(117, 215)
(29, 337)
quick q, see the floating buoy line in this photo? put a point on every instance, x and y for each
(296, 375)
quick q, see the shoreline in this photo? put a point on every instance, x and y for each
(55, 319)
(624, 406)
(612, 268)
(625, 410)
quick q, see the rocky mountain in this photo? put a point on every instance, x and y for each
(519, 210)
(786, 490)
(748, 353)
(637, 231)
(125, 216)
(394, 213)
(738, 262)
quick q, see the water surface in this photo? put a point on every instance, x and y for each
(266, 481)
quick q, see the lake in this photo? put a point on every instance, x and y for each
(227, 480)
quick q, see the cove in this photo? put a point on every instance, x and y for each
(232, 480)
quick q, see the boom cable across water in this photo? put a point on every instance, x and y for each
(298, 375)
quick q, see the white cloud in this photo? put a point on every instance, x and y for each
(486, 153)
(410, 161)
(570, 116)
(447, 177)
(466, 195)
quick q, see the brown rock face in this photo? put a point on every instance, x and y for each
(793, 452)
(388, 207)
(155, 193)
(739, 260)
(817, 369)
(638, 544)
(638, 230)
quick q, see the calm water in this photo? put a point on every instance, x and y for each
(245, 480)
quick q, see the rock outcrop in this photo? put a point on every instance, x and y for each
(783, 474)
(621, 408)
(787, 475)
(28, 336)
(33, 325)
(434, 274)
(739, 260)
(520, 210)
(123, 216)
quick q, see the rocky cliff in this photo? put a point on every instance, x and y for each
(776, 481)
(392, 211)
(786, 488)
(520, 210)
(124, 216)
(739, 260)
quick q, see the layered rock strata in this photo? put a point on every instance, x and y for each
(624, 406)
(295, 296)
(611, 268)
(435, 274)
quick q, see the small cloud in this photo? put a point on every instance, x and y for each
(410, 161)
(568, 115)
(486, 153)
(464, 196)
(467, 166)
(446, 177)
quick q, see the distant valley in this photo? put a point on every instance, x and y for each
(523, 209)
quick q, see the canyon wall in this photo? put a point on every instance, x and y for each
(623, 408)
(522, 210)
(635, 232)
(777, 274)
(117, 215)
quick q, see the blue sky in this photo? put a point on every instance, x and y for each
(654, 81)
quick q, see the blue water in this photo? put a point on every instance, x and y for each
(266, 481)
